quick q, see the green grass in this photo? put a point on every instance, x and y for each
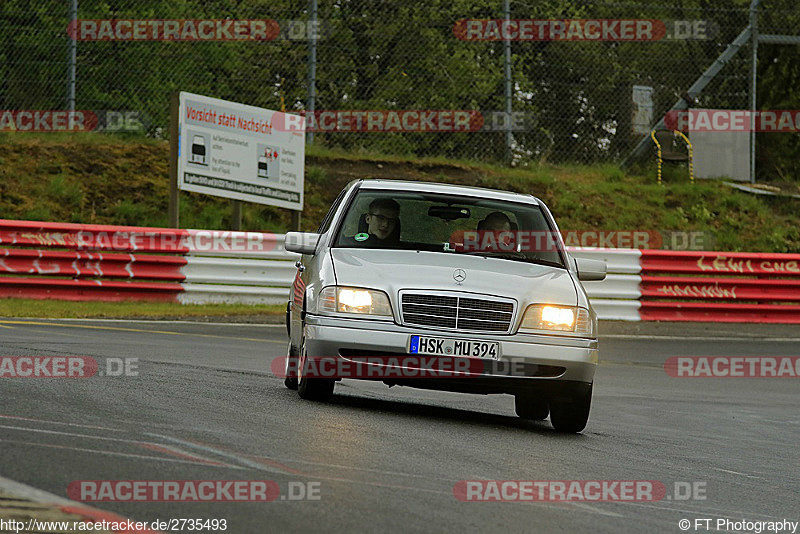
(84, 138)
(321, 151)
(59, 309)
(106, 179)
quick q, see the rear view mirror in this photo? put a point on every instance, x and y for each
(449, 213)
(590, 270)
(301, 242)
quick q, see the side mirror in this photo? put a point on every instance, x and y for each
(301, 242)
(590, 270)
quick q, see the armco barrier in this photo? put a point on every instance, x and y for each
(94, 262)
(92, 265)
(665, 285)
(720, 287)
(616, 297)
(41, 288)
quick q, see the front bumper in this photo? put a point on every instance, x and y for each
(527, 362)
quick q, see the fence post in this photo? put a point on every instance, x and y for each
(508, 93)
(312, 68)
(73, 55)
(753, 79)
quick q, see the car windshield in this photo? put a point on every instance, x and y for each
(451, 224)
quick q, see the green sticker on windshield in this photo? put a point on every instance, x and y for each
(361, 237)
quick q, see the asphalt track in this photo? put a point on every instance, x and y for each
(205, 406)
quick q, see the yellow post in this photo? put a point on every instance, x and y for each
(688, 145)
(658, 147)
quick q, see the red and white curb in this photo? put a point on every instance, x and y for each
(24, 504)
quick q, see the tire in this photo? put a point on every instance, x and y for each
(290, 381)
(289, 319)
(316, 389)
(530, 407)
(571, 416)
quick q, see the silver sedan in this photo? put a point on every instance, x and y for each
(444, 287)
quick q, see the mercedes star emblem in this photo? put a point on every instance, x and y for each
(459, 275)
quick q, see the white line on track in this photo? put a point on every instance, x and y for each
(733, 472)
(350, 468)
(700, 338)
(139, 331)
(18, 418)
(197, 458)
(141, 321)
(244, 461)
(416, 489)
(595, 509)
(115, 453)
(69, 434)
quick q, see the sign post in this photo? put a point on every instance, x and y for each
(174, 149)
(236, 215)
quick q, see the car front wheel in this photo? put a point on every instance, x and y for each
(571, 416)
(290, 371)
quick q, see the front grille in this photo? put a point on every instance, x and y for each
(457, 313)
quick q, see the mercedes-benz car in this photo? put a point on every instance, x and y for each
(400, 272)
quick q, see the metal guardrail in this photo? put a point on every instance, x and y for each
(720, 286)
(97, 262)
(616, 297)
(696, 286)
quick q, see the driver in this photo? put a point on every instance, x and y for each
(382, 219)
(378, 227)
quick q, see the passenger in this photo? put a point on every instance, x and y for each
(498, 224)
(497, 221)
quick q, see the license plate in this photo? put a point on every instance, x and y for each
(440, 346)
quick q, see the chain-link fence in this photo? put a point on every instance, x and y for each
(575, 98)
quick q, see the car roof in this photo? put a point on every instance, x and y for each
(438, 187)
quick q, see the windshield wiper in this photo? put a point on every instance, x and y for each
(514, 256)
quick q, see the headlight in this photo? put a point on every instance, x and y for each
(338, 299)
(557, 319)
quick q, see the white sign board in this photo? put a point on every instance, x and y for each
(241, 152)
(642, 116)
(721, 154)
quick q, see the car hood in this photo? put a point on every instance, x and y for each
(395, 270)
